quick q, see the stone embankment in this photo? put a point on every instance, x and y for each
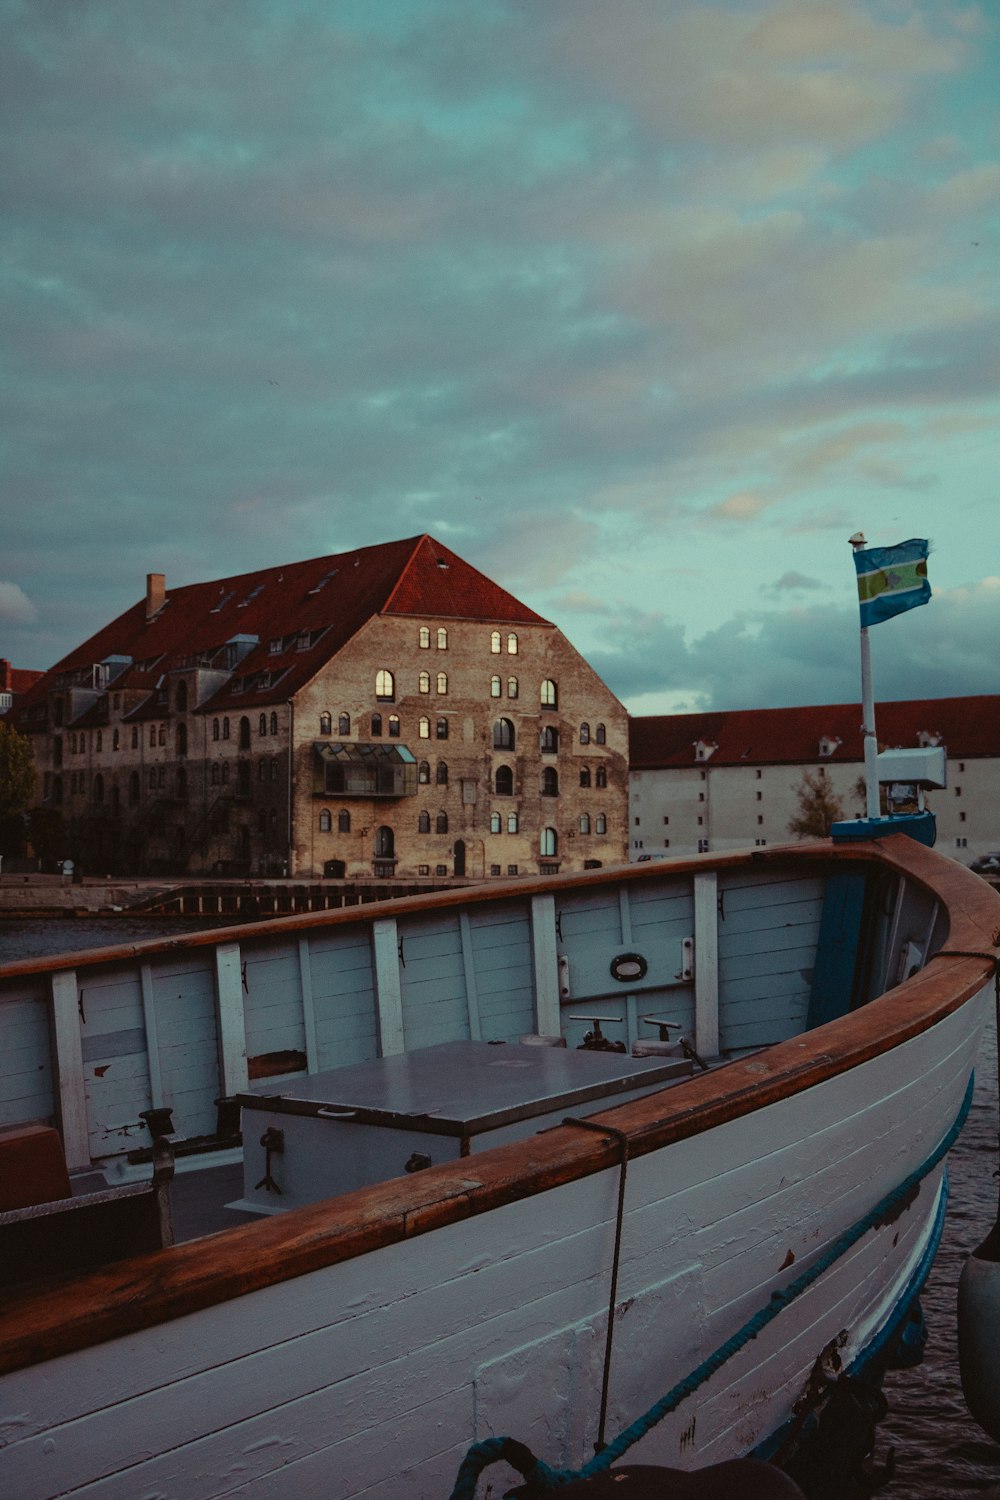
(52, 895)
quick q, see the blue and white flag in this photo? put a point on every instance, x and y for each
(891, 579)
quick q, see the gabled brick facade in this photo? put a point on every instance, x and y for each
(383, 711)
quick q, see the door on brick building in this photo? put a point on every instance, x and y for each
(459, 856)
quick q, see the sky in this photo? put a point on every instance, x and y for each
(642, 307)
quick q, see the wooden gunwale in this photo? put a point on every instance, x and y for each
(45, 1321)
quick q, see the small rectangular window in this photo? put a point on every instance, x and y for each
(961, 817)
(512, 869)
(703, 846)
(494, 869)
(666, 820)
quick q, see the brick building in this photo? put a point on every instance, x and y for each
(718, 781)
(388, 711)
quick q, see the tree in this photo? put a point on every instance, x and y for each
(17, 785)
(819, 808)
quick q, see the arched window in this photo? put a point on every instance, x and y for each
(326, 821)
(181, 739)
(325, 724)
(424, 729)
(424, 682)
(262, 769)
(504, 781)
(424, 773)
(116, 739)
(600, 824)
(274, 768)
(344, 724)
(215, 773)
(495, 643)
(274, 723)
(584, 733)
(549, 741)
(181, 697)
(343, 821)
(376, 725)
(244, 733)
(152, 738)
(512, 644)
(494, 822)
(601, 735)
(385, 686)
(225, 728)
(262, 725)
(161, 738)
(550, 842)
(225, 773)
(135, 736)
(442, 773)
(511, 687)
(442, 729)
(385, 845)
(394, 726)
(512, 822)
(441, 823)
(100, 740)
(496, 687)
(424, 638)
(133, 788)
(442, 682)
(442, 638)
(585, 822)
(601, 777)
(549, 695)
(503, 735)
(550, 782)
(424, 822)
(584, 775)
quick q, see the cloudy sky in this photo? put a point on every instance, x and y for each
(643, 306)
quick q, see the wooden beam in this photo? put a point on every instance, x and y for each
(706, 964)
(388, 990)
(152, 1036)
(67, 1067)
(230, 1018)
(545, 965)
(308, 1006)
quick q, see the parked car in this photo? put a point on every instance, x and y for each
(987, 864)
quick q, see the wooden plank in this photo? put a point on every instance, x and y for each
(388, 990)
(545, 961)
(471, 993)
(152, 1036)
(229, 1014)
(68, 1069)
(308, 1006)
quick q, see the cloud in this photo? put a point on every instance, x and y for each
(15, 606)
(792, 583)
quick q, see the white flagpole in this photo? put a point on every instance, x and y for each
(873, 804)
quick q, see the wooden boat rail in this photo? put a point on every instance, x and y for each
(44, 1321)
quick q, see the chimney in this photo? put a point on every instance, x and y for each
(6, 680)
(156, 593)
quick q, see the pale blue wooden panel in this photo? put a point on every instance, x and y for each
(590, 914)
(502, 964)
(185, 1006)
(272, 1000)
(25, 1060)
(343, 987)
(116, 1062)
(432, 981)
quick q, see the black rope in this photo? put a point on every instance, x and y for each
(622, 1139)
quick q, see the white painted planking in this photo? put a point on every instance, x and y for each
(389, 999)
(68, 1068)
(545, 965)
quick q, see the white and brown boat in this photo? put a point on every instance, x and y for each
(426, 1240)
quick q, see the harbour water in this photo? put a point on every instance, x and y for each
(940, 1452)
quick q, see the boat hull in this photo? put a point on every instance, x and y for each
(496, 1323)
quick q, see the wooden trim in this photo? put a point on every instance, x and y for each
(388, 987)
(545, 964)
(68, 1070)
(706, 964)
(37, 1324)
(230, 1018)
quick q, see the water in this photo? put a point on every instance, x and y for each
(940, 1452)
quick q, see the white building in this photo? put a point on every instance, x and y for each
(718, 781)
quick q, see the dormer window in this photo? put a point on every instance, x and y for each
(704, 749)
(828, 745)
(929, 739)
(274, 646)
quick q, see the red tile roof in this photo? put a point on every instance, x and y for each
(329, 598)
(969, 727)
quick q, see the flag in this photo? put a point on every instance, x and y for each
(891, 579)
